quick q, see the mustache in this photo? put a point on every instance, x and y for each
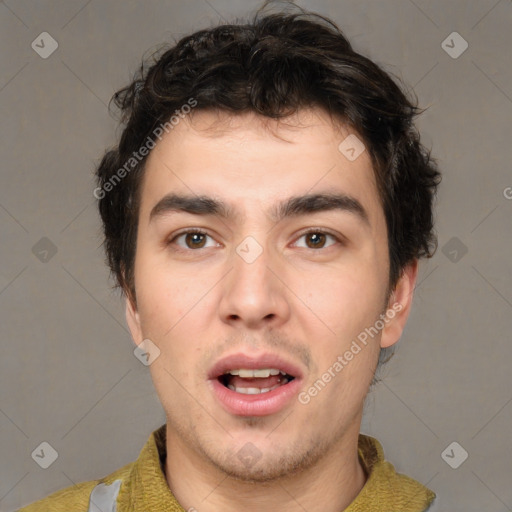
(269, 341)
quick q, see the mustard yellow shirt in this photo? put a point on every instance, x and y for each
(141, 486)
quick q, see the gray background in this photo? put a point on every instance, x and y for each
(68, 373)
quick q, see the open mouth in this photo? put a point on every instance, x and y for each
(246, 385)
(254, 381)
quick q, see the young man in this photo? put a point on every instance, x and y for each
(264, 213)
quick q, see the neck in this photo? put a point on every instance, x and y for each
(329, 485)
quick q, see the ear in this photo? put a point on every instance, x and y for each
(133, 320)
(399, 305)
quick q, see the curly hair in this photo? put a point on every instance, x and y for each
(274, 65)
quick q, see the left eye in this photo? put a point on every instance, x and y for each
(316, 239)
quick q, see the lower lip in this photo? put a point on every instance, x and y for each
(255, 405)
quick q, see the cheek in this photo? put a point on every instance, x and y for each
(346, 300)
(164, 297)
(348, 305)
(174, 314)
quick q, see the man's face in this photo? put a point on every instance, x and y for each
(252, 290)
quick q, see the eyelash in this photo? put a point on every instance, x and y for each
(201, 232)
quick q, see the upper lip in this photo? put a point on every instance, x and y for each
(241, 360)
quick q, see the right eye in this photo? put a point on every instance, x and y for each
(192, 238)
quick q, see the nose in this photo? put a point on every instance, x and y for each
(254, 294)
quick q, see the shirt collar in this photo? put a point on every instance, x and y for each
(385, 489)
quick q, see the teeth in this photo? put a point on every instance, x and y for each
(262, 373)
(252, 391)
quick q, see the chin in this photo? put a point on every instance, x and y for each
(254, 463)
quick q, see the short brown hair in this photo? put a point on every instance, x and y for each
(275, 65)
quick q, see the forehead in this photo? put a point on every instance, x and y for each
(246, 159)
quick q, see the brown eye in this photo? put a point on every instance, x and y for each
(192, 239)
(195, 240)
(317, 240)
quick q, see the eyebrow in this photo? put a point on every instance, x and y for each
(291, 207)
